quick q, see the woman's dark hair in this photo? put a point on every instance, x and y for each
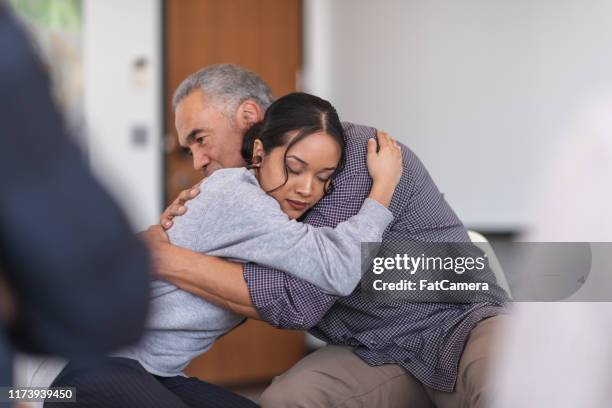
(302, 112)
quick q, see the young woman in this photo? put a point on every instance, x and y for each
(250, 214)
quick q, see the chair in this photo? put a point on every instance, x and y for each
(481, 242)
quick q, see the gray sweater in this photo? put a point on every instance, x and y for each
(233, 217)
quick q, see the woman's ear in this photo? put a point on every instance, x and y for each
(258, 153)
(248, 113)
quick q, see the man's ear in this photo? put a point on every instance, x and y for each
(249, 112)
(258, 153)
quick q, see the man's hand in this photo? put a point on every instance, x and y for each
(177, 208)
(160, 249)
(153, 234)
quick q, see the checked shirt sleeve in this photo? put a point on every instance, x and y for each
(285, 301)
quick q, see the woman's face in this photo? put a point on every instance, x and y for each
(309, 166)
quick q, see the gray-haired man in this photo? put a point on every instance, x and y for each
(397, 354)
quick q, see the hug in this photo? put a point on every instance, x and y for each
(273, 232)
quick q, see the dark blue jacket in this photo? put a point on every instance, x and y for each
(79, 275)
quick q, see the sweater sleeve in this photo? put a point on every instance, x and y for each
(241, 221)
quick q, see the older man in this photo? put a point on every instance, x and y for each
(380, 354)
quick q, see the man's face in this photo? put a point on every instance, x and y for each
(208, 134)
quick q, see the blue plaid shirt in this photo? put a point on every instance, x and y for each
(427, 339)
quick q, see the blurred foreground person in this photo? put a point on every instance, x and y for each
(558, 353)
(74, 279)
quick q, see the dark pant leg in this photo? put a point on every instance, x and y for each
(114, 383)
(200, 394)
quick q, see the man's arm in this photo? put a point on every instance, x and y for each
(215, 279)
(237, 287)
(248, 289)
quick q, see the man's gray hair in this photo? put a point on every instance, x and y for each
(227, 84)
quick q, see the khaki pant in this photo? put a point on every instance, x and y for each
(334, 377)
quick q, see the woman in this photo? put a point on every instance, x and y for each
(250, 214)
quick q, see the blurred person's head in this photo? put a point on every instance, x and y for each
(296, 150)
(213, 108)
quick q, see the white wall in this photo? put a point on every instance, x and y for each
(481, 90)
(117, 100)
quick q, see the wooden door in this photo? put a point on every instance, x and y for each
(266, 37)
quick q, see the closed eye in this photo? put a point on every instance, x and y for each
(292, 171)
(326, 176)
